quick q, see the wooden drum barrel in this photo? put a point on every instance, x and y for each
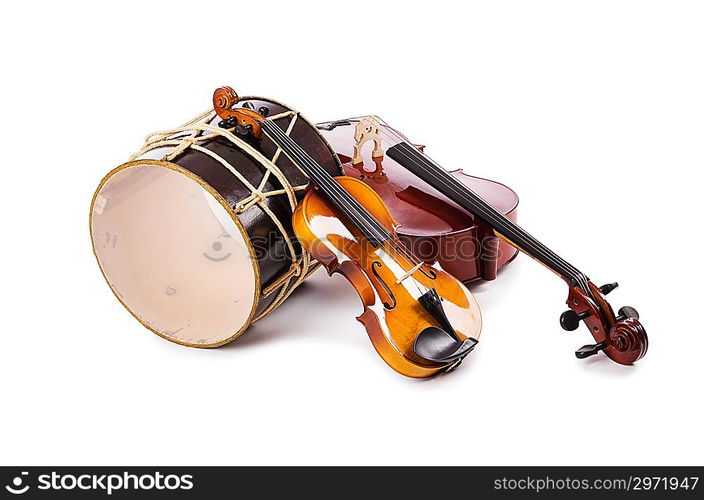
(194, 234)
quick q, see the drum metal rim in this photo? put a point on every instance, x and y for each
(230, 211)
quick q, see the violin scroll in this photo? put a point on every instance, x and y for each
(622, 338)
(628, 340)
(245, 121)
(223, 100)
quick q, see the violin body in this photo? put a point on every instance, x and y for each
(385, 279)
(433, 227)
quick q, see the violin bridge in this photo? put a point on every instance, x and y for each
(410, 272)
(367, 129)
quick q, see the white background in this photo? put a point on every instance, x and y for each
(592, 111)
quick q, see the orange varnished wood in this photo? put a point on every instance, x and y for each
(332, 239)
(223, 100)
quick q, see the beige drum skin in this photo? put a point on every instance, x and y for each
(174, 253)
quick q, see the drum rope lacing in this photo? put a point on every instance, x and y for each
(199, 129)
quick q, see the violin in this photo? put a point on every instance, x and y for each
(421, 320)
(432, 226)
(620, 336)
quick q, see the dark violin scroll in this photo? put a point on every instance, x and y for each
(621, 337)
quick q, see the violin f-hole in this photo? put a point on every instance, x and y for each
(388, 306)
(430, 274)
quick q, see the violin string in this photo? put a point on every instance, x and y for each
(335, 191)
(394, 136)
(491, 217)
(549, 257)
(531, 245)
(390, 133)
(360, 216)
(340, 190)
(526, 242)
(313, 171)
(400, 245)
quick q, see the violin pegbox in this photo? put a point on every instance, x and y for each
(621, 337)
(263, 110)
(244, 120)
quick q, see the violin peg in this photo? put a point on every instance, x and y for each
(569, 320)
(608, 288)
(627, 312)
(589, 350)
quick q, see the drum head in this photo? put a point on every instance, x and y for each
(174, 253)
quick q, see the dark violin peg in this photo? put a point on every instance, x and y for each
(228, 123)
(608, 288)
(243, 130)
(589, 350)
(263, 110)
(569, 320)
(248, 105)
(627, 312)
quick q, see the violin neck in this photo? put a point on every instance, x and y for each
(335, 194)
(422, 166)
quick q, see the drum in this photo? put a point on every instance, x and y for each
(193, 235)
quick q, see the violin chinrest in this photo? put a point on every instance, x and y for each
(435, 344)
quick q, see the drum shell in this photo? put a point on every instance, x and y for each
(269, 250)
(266, 237)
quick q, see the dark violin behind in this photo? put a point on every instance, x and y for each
(445, 213)
(431, 225)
